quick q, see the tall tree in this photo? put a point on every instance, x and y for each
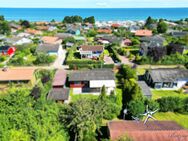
(4, 27)
(83, 118)
(162, 27)
(90, 20)
(103, 93)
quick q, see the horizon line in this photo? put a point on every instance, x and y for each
(93, 7)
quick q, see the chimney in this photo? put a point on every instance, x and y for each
(5, 68)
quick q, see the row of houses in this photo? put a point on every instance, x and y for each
(91, 81)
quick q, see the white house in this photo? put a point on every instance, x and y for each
(50, 49)
(18, 40)
(91, 81)
(87, 51)
(167, 79)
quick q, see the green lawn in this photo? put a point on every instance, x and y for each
(75, 97)
(181, 119)
(156, 94)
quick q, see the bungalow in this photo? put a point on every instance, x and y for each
(59, 79)
(59, 95)
(14, 27)
(153, 131)
(50, 49)
(16, 75)
(106, 31)
(74, 29)
(23, 34)
(178, 33)
(153, 47)
(109, 39)
(87, 51)
(18, 41)
(91, 81)
(43, 28)
(166, 78)
(33, 31)
(134, 28)
(58, 92)
(7, 50)
(143, 33)
(63, 35)
(115, 25)
(51, 40)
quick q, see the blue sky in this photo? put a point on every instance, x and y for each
(94, 3)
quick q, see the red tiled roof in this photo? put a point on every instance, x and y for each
(91, 48)
(50, 39)
(108, 31)
(115, 25)
(59, 78)
(143, 33)
(16, 74)
(152, 131)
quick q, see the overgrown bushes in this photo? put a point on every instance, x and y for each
(173, 59)
(173, 104)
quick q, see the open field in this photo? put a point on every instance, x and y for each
(156, 94)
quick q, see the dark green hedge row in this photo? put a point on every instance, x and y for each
(173, 104)
(90, 66)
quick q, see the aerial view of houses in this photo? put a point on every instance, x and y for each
(85, 79)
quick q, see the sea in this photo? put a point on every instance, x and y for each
(106, 14)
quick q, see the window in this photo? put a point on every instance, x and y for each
(167, 85)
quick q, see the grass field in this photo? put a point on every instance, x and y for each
(181, 119)
(156, 94)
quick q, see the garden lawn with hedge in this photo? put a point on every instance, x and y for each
(156, 94)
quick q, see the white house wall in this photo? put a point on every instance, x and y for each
(182, 82)
(100, 83)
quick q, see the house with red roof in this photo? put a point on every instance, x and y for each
(143, 33)
(59, 92)
(151, 131)
(7, 50)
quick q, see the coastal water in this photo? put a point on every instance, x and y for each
(47, 14)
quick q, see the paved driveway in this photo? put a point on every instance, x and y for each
(60, 60)
(125, 60)
(108, 60)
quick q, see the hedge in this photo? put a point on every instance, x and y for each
(173, 104)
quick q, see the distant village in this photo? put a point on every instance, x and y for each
(121, 71)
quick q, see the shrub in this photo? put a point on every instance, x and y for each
(136, 107)
(171, 104)
(2, 58)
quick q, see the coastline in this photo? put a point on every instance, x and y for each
(101, 14)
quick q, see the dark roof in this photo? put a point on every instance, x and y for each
(156, 38)
(46, 48)
(59, 78)
(91, 48)
(145, 89)
(63, 35)
(173, 48)
(151, 131)
(98, 74)
(168, 75)
(4, 48)
(179, 34)
(59, 94)
(112, 39)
